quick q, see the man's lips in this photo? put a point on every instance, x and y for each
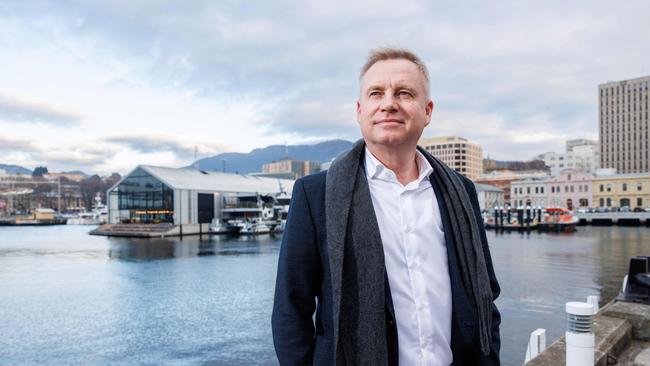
(388, 121)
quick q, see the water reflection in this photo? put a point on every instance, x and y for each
(136, 249)
(70, 298)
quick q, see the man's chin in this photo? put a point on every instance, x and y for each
(388, 141)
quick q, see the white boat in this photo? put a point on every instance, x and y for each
(281, 211)
(218, 226)
(98, 215)
(254, 227)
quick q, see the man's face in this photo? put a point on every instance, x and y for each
(393, 107)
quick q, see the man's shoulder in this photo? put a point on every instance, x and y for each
(313, 182)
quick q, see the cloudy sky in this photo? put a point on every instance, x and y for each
(105, 85)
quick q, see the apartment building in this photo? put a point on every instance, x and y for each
(457, 152)
(623, 125)
(292, 169)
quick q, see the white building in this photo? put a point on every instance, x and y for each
(580, 154)
(530, 191)
(151, 194)
(489, 196)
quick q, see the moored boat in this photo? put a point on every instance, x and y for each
(558, 219)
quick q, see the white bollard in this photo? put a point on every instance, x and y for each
(580, 339)
(594, 300)
(536, 344)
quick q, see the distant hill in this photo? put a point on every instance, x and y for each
(77, 172)
(252, 162)
(15, 169)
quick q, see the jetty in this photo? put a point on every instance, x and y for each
(616, 334)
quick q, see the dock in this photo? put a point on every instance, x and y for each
(622, 331)
(150, 230)
(614, 218)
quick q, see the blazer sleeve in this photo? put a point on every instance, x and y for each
(493, 357)
(298, 280)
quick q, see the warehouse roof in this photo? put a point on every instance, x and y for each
(200, 180)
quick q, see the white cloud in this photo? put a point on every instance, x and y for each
(518, 78)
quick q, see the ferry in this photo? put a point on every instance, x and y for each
(559, 219)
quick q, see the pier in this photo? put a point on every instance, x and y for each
(150, 230)
(622, 331)
(614, 218)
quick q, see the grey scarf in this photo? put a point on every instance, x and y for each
(356, 258)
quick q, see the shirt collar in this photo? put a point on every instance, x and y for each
(376, 170)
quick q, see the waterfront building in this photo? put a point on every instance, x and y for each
(622, 190)
(503, 179)
(570, 189)
(489, 196)
(623, 125)
(580, 154)
(295, 168)
(151, 194)
(457, 152)
(530, 191)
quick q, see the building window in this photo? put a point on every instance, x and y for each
(541, 189)
(609, 188)
(639, 202)
(536, 190)
(528, 190)
(602, 202)
(609, 202)
(566, 189)
(639, 186)
(552, 189)
(571, 189)
(624, 187)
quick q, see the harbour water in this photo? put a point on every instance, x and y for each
(70, 298)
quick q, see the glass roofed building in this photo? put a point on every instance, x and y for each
(152, 195)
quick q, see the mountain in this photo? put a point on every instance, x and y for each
(252, 162)
(77, 172)
(15, 169)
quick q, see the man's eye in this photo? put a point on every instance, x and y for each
(405, 93)
(374, 93)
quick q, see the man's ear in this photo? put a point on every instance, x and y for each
(428, 110)
(358, 112)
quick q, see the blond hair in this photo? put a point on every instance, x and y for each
(393, 53)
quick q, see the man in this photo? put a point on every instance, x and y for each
(387, 247)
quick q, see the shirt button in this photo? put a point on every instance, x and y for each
(413, 265)
(408, 228)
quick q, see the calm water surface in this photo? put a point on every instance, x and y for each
(70, 298)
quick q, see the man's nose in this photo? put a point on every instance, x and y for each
(388, 103)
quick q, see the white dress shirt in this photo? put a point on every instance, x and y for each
(416, 262)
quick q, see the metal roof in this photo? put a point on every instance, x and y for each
(199, 180)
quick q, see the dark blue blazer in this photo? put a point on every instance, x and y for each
(304, 275)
